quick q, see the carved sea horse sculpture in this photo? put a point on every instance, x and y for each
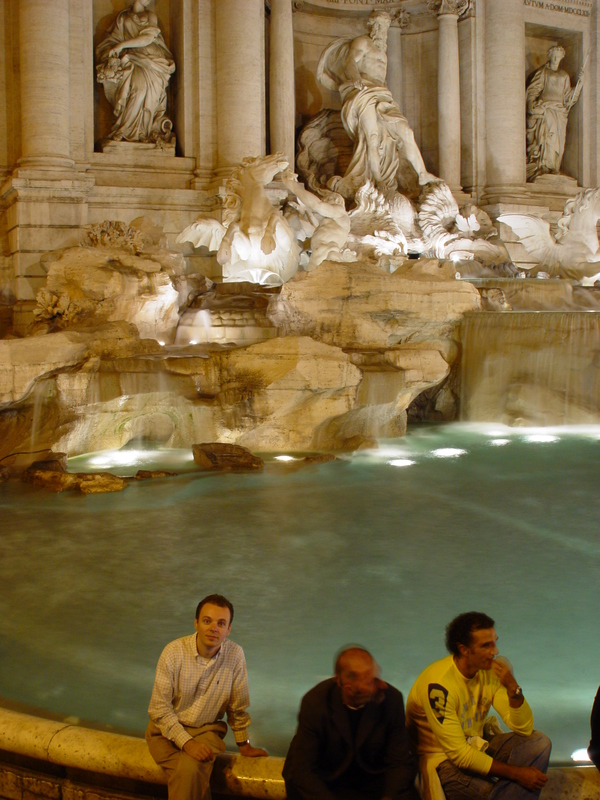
(255, 242)
(575, 251)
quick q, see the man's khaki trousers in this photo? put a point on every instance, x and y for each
(187, 778)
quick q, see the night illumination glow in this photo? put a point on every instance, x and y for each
(285, 458)
(542, 438)
(401, 462)
(448, 452)
(581, 755)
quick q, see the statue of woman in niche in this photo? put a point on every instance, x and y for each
(134, 66)
(549, 100)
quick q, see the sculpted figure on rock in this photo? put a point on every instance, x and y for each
(134, 66)
(255, 242)
(574, 253)
(549, 100)
(383, 139)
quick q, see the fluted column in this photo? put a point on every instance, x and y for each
(448, 12)
(394, 55)
(240, 38)
(282, 104)
(505, 94)
(44, 57)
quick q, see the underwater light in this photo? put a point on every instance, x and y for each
(401, 462)
(192, 341)
(284, 458)
(499, 442)
(541, 437)
(448, 452)
(580, 755)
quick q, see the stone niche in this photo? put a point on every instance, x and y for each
(104, 15)
(538, 39)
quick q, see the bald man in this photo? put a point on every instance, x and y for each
(351, 741)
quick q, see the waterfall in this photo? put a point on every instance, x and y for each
(531, 367)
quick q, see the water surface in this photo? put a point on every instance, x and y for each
(382, 548)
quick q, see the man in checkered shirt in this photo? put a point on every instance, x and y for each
(199, 679)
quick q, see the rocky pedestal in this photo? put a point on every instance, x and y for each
(355, 346)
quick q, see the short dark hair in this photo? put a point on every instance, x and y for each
(462, 628)
(339, 658)
(215, 600)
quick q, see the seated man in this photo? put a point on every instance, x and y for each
(199, 678)
(458, 746)
(351, 741)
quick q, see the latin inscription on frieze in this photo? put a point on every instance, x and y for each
(581, 8)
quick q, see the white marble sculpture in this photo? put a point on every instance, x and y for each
(383, 139)
(328, 220)
(255, 243)
(549, 100)
(134, 65)
(575, 252)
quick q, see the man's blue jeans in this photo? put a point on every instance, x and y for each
(510, 748)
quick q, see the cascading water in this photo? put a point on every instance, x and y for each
(531, 367)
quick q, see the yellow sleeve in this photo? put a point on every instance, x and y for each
(520, 720)
(440, 705)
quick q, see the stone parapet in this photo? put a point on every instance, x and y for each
(44, 759)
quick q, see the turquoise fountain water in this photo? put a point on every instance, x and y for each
(382, 548)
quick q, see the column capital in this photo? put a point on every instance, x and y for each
(401, 19)
(448, 7)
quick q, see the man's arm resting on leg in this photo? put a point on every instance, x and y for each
(528, 777)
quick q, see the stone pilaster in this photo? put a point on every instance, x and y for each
(45, 199)
(394, 54)
(44, 57)
(240, 96)
(505, 99)
(448, 12)
(282, 106)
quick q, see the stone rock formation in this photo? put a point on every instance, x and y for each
(121, 273)
(219, 456)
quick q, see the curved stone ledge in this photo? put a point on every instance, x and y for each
(127, 758)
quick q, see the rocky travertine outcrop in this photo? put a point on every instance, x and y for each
(355, 347)
(356, 306)
(219, 457)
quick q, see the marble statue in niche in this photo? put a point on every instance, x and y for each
(135, 65)
(382, 137)
(549, 100)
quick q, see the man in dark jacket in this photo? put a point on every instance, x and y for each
(351, 741)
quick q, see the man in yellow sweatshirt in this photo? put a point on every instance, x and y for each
(463, 754)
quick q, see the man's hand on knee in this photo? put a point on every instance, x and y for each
(528, 777)
(531, 778)
(198, 750)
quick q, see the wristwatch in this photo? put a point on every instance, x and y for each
(241, 744)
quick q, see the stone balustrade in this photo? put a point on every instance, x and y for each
(32, 748)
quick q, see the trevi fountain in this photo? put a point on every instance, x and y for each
(301, 304)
